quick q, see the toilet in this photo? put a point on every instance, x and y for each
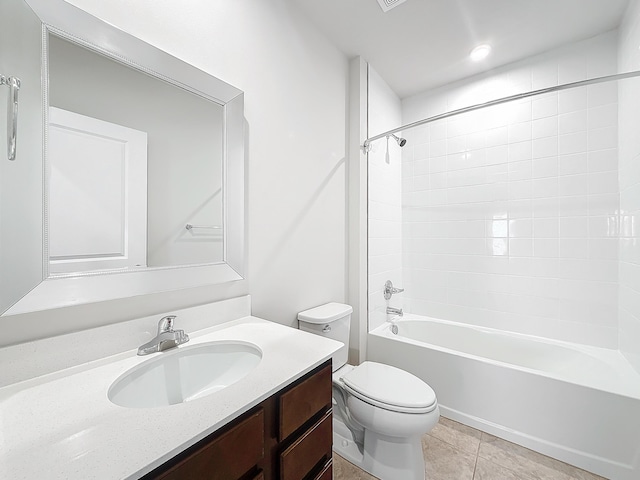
(380, 412)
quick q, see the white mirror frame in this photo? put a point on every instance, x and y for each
(71, 23)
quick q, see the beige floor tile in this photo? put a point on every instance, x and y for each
(460, 436)
(487, 470)
(444, 462)
(526, 462)
(449, 456)
(344, 470)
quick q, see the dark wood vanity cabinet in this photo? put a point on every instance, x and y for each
(286, 437)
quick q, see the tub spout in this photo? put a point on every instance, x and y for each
(394, 311)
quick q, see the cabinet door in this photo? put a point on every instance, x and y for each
(326, 473)
(228, 456)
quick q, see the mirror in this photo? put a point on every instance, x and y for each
(143, 168)
(132, 160)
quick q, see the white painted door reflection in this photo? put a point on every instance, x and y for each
(97, 194)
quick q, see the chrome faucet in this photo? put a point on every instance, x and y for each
(166, 338)
(394, 311)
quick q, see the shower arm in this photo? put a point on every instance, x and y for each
(366, 146)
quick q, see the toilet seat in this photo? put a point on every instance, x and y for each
(390, 388)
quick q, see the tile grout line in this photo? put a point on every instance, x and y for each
(475, 465)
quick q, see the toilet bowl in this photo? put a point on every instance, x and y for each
(380, 411)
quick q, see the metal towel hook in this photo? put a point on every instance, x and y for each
(12, 114)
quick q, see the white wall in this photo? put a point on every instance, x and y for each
(510, 213)
(295, 84)
(629, 178)
(385, 199)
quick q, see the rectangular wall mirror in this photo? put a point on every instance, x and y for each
(142, 161)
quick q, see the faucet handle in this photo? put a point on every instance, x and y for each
(390, 290)
(166, 324)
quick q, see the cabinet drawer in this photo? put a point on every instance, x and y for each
(300, 403)
(307, 451)
(226, 457)
(326, 473)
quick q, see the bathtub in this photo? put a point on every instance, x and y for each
(576, 403)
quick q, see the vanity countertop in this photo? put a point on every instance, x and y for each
(63, 426)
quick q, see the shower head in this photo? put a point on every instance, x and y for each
(401, 141)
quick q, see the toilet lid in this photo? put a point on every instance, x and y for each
(390, 388)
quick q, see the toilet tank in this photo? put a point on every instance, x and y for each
(331, 320)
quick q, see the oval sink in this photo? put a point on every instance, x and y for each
(184, 374)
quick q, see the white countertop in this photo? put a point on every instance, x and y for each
(63, 426)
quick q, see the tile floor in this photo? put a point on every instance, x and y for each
(456, 452)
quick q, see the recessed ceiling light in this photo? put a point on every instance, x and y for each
(480, 52)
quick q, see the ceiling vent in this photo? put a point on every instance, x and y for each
(387, 5)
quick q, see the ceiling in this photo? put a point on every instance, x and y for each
(422, 44)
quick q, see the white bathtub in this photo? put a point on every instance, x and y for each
(575, 403)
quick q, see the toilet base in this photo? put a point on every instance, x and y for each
(344, 444)
(392, 458)
(384, 457)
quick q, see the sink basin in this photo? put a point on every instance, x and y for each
(184, 374)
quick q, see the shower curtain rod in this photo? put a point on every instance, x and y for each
(618, 76)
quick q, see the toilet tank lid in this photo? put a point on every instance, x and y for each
(325, 313)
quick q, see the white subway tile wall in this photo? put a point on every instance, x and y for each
(629, 181)
(510, 213)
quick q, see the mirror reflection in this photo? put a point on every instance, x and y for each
(134, 167)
